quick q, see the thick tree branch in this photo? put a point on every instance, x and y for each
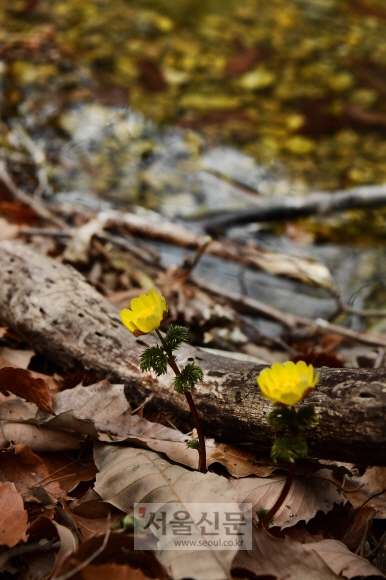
(62, 316)
(288, 208)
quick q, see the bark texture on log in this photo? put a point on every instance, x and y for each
(62, 316)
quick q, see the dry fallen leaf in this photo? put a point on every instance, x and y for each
(280, 559)
(44, 528)
(238, 461)
(119, 550)
(40, 439)
(10, 357)
(90, 506)
(102, 411)
(289, 559)
(18, 426)
(13, 517)
(21, 359)
(341, 560)
(128, 476)
(362, 488)
(90, 527)
(68, 472)
(25, 469)
(306, 496)
(20, 382)
(112, 571)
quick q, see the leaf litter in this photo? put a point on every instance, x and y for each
(101, 411)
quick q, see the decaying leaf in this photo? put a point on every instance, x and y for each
(22, 383)
(89, 527)
(91, 506)
(238, 461)
(40, 439)
(67, 471)
(44, 528)
(128, 476)
(102, 411)
(18, 426)
(288, 559)
(119, 550)
(280, 559)
(341, 560)
(25, 469)
(13, 517)
(362, 488)
(306, 496)
(15, 409)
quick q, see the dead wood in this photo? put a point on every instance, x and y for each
(289, 208)
(63, 317)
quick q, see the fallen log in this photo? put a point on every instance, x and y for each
(63, 317)
(318, 203)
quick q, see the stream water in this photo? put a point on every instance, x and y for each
(190, 107)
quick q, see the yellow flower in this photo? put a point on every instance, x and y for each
(287, 383)
(147, 312)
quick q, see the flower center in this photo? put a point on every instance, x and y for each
(290, 384)
(145, 312)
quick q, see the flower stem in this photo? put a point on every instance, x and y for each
(202, 449)
(280, 500)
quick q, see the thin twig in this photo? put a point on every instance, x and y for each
(34, 203)
(299, 324)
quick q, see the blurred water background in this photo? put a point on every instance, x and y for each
(191, 107)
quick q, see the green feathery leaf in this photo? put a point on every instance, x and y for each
(193, 444)
(190, 375)
(154, 358)
(175, 336)
(281, 417)
(307, 417)
(288, 450)
(261, 513)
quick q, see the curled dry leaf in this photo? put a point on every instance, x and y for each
(25, 469)
(44, 528)
(128, 476)
(306, 496)
(13, 516)
(102, 411)
(20, 382)
(362, 488)
(119, 550)
(289, 559)
(18, 427)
